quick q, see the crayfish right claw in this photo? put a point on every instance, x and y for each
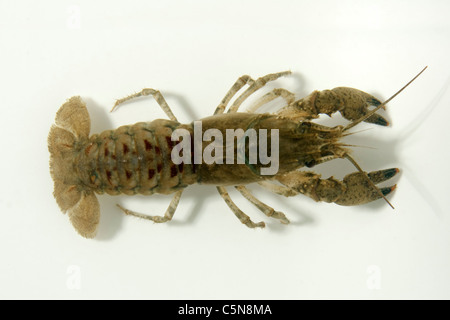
(354, 189)
(359, 191)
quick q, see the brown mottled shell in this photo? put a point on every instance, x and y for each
(133, 159)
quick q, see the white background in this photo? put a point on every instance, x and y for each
(193, 51)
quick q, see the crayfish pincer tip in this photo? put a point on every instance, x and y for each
(385, 191)
(389, 173)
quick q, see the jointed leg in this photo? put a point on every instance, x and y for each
(288, 96)
(267, 210)
(158, 219)
(255, 86)
(245, 219)
(278, 189)
(156, 95)
(242, 81)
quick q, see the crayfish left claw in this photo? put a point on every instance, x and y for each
(355, 104)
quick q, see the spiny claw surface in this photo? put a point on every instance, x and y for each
(358, 190)
(356, 104)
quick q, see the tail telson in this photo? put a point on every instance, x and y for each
(65, 138)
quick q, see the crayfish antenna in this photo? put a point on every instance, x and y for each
(354, 123)
(355, 132)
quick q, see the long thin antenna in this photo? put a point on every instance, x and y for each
(355, 132)
(368, 179)
(354, 123)
(355, 145)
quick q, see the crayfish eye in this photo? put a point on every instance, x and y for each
(310, 163)
(304, 127)
(306, 124)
